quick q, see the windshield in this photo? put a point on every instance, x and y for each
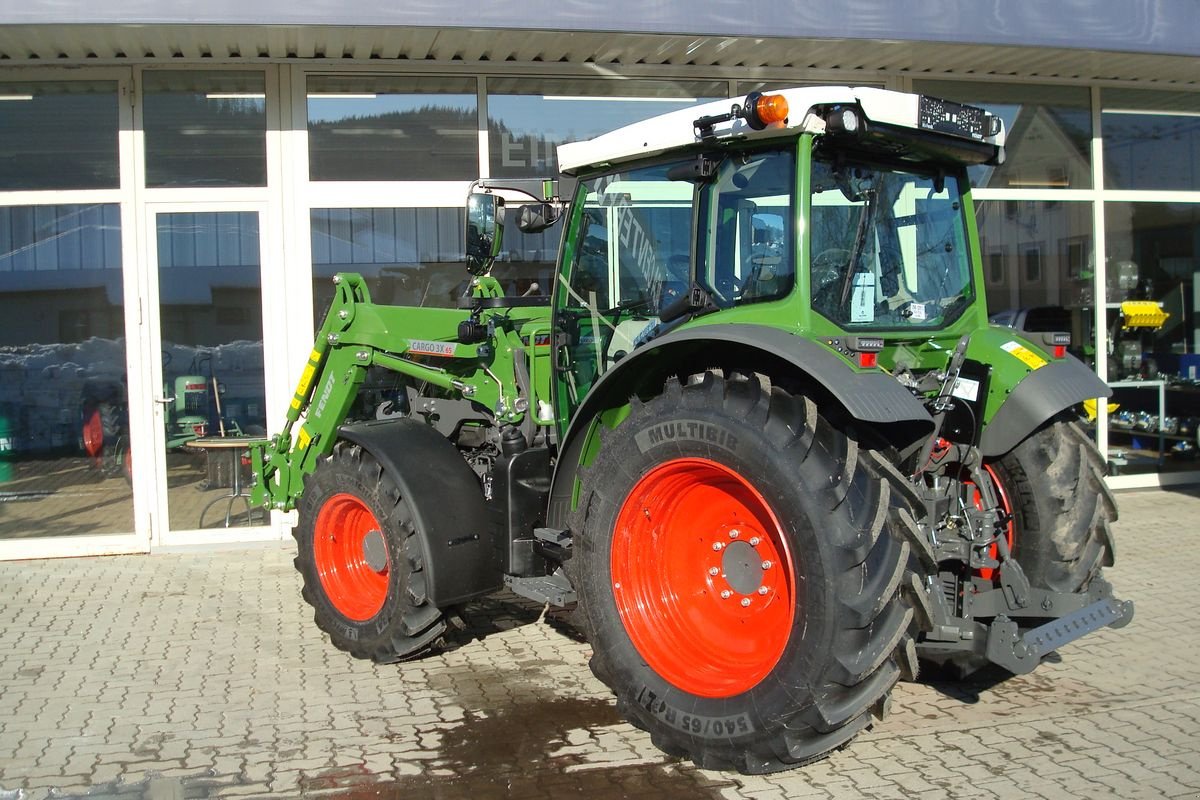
(888, 248)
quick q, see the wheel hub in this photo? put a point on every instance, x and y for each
(375, 551)
(741, 567)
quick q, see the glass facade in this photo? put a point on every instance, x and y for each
(529, 118)
(392, 129)
(1152, 359)
(205, 129)
(1036, 253)
(385, 158)
(210, 307)
(1048, 132)
(63, 397)
(58, 135)
(409, 256)
(1151, 140)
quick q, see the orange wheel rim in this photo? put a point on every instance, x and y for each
(355, 585)
(93, 433)
(702, 577)
(1010, 530)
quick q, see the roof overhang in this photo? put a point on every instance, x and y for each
(742, 56)
(1164, 27)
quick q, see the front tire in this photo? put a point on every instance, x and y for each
(738, 576)
(362, 562)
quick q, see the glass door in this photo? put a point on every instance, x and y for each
(207, 393)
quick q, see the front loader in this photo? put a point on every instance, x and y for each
(759, 430)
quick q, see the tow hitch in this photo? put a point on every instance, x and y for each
(1020, 654)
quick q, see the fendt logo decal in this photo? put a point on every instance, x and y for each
(686, 430)
(326, 391)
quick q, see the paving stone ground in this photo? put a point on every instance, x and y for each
(201, 675)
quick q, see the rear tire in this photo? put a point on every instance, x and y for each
(1062, 510)
(362, 562)
(697, 653)
(1052, 485)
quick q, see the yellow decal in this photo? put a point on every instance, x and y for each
(302, 439)
(305, 379)
(1024, 354)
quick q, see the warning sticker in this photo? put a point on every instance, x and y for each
(965, 389)
(862, 299)
(1024, 354)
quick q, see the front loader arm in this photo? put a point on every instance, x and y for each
(280, 465)
(357, 335)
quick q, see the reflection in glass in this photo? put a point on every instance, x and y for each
(58, 135)
(1151, 140)
(209, 275)
(1049, 132)
(1153, 361)
(63, 403)
(205, 128)
(528, 119)
(1037, 254)
(392, 129)
(409, 256)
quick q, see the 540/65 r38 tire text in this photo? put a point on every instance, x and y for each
(738, 575)
(362, 563)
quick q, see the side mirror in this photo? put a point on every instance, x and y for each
(485, 231)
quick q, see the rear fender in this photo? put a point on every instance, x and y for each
(873, 398)
(1043, 394)
(462, 557)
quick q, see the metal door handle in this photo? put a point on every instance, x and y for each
(164, 400)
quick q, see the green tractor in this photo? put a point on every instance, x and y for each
(761, 431)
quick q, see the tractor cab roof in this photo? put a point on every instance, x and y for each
(904, 125)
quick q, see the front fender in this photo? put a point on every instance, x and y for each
(462, 557)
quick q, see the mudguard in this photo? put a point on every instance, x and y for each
(873, 397)
(449, 513)
(1040, 396)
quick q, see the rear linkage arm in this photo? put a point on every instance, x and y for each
(967, 533)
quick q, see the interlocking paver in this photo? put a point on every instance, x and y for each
(204, 673)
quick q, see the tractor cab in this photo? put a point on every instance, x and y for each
(835, 212)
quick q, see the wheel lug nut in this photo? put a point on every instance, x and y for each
(726, 594)
(762, 590)
(754, 541)
(718, 546)
(766, 565)
(745, 602)
(733, 534)
(714, 570)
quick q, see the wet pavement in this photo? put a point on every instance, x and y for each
(196, 675)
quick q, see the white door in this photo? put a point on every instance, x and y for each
(206, 381)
